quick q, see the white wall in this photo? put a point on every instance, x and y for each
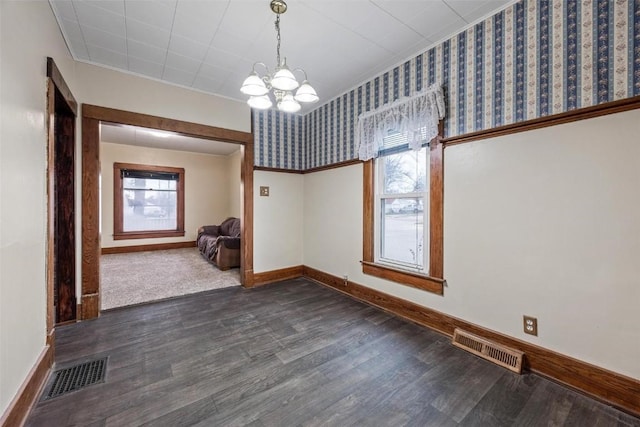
(207, 187)
(544, 223)
(277, 224)
(28, 34)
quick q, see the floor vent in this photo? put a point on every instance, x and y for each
(77, 377)
(496, 353)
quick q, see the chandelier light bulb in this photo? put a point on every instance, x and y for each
(260, 102)
(284, 78)
(254, 85)
(306, 93)
(288, 104)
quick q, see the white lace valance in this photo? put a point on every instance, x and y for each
(415, 117)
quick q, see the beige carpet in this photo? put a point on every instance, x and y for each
(138, 277)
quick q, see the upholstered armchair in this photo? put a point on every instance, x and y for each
(220, 244)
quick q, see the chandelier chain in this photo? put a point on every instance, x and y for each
(278, 38)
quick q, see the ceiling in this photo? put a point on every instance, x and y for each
(212, 45)
(143, 137)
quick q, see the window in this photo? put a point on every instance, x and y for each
(403, 215)
(148, 201)
(401, 209)
(403, 190)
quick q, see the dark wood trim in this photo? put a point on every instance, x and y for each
(368, 209)
(54, 74)
(277, 275)
(64, 206)
(280, 170)
(112, 115)
(51, 340)
(19, 408)
(246, 211)
(407, 278)
(90, 306)
(610, 387)
(61, 113)
(118, 232)
(436, 208)
(132, 235)
(145, 248)
(90, 214)
(312, 170)
(333, 166)
(542, 122)
(433, 282)
(92, 116)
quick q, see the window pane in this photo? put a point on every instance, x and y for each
(402, 225)
(149, 204)
(405, 172)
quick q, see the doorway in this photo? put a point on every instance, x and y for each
(92, 116)
(148, 233)
(61, 258)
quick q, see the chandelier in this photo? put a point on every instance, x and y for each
(282, 82)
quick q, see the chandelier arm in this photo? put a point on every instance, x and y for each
(266, 68)
(303, 72)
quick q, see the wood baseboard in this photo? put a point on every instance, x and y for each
(610, 387)
(19, 408)
(143, 248)
(277, 275)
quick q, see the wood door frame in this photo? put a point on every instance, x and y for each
(92, 115)
(55, 84)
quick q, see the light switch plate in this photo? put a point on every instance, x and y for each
(264, 191)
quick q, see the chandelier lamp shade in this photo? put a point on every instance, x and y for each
(282, 83)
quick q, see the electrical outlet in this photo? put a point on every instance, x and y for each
(530, 325)
(346, 280)
(264, 191)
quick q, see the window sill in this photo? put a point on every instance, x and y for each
(147, 234)
(407, 278)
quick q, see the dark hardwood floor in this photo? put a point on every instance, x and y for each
(294, 353)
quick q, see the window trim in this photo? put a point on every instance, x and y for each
(433, 281)
(118, 232)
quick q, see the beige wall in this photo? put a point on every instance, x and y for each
(544, 223)
(207, 188)
(28, 34)
(277, 228)
(114, 89)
